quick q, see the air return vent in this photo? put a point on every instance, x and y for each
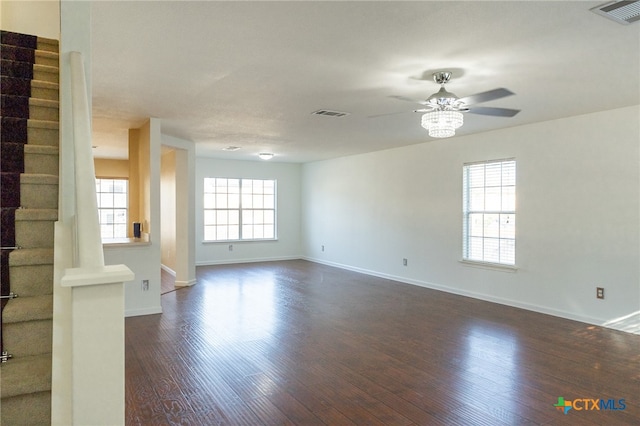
(623, 12)
(330, 113)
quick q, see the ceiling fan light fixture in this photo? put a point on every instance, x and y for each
(265, 156)
(442, 124)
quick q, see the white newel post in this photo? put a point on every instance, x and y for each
(98, 343)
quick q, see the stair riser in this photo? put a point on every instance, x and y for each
(34, 234)
(38, 196)
(40, 112)
(31, 280)
(44, 93)
(30, 376)
(49, 59)
(43, 136)
(46, 74)
(41, 163)
(48, 45)
(28, 338)
(37, 405)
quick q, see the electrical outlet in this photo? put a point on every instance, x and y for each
(322, 248)
(404, 262)
(145, 285)
(230, 247)
(600, 292)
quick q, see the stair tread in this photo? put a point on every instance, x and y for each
(31, 256)
(45, 68)
(38, 178)
(30, 308)
(26, 375)
(41, 149)
(43, 124)
(45, 84)
(44, 103)
(36, 214)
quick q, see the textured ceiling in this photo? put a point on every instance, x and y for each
(250, 74)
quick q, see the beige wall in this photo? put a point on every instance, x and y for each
(107, 168)
(168, 208)
(39, 18)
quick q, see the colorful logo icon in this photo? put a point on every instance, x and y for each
(563, 405)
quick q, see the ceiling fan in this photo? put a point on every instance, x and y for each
(443, 110)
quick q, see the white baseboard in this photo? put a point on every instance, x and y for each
(167, 269)
(141, 312)
(453, 290)
(253, 260)
(185, 283)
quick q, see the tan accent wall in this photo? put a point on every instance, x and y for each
(111, 169)
(168, 208)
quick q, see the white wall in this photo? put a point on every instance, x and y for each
(577, 215)
(288, 212)
(39, 18)
(144, 260)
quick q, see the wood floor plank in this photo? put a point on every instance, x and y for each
(299, 343)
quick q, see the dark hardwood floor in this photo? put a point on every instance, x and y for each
(301, 343)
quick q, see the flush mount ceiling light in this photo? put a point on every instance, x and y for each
(265, 156)
(231, 148)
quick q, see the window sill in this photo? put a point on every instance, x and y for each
(487, 265)
(126, 242)
(239, 241)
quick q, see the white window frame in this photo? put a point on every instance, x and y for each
(239, 209)
(489, 213)
(104, 207)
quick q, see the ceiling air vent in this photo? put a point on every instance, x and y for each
(330, 113)
(623, 12)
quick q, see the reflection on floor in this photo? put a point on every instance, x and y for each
(299, 343)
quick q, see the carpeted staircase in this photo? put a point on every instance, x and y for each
(28, 201)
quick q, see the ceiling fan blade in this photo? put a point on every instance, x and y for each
(403, 98)
(486, 96)
(387, 114)
(497, 112)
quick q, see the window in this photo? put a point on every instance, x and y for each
(112, 207)
(239, 209)
(489, 211)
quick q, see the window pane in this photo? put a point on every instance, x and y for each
(491, 250)
(221, 201)
(489, 188)
(209, 233)
(258, 231)
(234, 201)
(508, 252)
(234, 217)
(476, 199)
(475, 248)
(258, 216)
(120, 231)
(476, 225)
(508, 198)
(221, 232)
(247, 201)
(247, 217)
(106, 200)
(269, 231)
(120, 200)
(221, 217)
(476, 176)
(234, 232)
(209, 218)
(492, 225)
(493, 200)
(209, 201)
(507, 226)
(269, 217)
(247, 232)
(257, 201)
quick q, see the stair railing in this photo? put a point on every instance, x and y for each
(88, 333)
